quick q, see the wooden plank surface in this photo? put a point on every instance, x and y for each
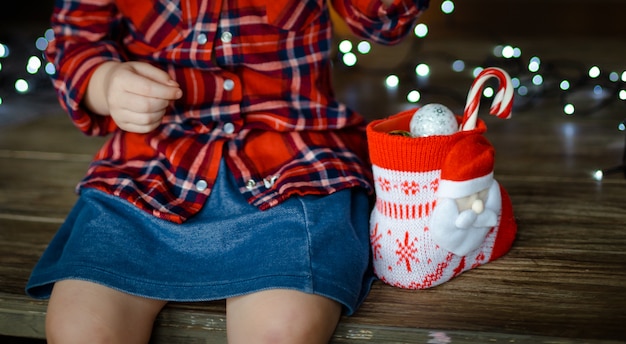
(564, 279)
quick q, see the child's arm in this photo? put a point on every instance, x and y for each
(83, 40)
(134, 94)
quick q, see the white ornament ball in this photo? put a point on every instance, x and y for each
(433, 119)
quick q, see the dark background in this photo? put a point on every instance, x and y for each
(483, 17)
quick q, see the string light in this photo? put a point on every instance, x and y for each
(508, 52)
(477, 71)
(422, 70)
(458, 65)
(49, 35)
(4, 51)
(534, 64)
(522, 91)
(364, 47)
(447, 7)
(349, 59)
(421, 30)
(392, 81)
(414, 96)
(529, 85)
(594, 72)
(41, 43)
(26, 82)
(50, 68)
(21, 86)
(345, 46)
(598, 175)
(33, 65)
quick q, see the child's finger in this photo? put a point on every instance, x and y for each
(150, 81)
(151, 72)
(142, 104)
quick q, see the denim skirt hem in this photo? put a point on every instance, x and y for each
(314, 244)
(40, 287)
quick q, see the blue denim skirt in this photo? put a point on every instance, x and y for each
(314, 244)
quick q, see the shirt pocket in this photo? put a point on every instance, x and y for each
(293, 15)
(157, 24)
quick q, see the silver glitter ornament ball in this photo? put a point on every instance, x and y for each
(433, 119)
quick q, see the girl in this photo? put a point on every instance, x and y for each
(231, 171)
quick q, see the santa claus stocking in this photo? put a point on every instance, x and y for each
(438, 211)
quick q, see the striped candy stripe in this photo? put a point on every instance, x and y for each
(502, 102)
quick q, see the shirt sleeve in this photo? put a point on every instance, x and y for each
(372, 20)
(84, 38)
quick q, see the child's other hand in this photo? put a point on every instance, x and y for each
(135, 94)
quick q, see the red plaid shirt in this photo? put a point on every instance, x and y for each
(257, 92)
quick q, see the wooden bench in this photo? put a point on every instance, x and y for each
(564, 280)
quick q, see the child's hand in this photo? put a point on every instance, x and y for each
(135, 94)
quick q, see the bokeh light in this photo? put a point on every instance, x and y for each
(422, 70)
(364, 47)
(421, 30)
(21, 86)
(447, 7)
(413, 96)
(349, 59)
(392, 81)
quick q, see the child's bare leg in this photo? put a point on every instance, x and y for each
(85, 312)
(281, 316)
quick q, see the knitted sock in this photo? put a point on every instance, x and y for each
(408, 173)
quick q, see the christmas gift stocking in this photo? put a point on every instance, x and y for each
(439, 211)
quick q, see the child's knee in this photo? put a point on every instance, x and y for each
(67, 328)
(83, 312)
(292, 329)
(283, 317)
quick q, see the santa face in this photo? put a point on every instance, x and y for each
(475, 201)
(461, 225)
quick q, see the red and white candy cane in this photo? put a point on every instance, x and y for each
(502, 102)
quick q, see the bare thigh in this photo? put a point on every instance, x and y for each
(281, 316)
(85, 312)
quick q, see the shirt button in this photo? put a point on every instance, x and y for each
(201, 185)
(229, 85)
(202, 38)
(226, 37)
(250, 184)
(229, 128)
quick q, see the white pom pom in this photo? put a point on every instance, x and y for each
(433, 119)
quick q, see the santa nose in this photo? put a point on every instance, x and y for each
(478, 206)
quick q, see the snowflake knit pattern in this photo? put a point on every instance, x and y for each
(407, 174)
